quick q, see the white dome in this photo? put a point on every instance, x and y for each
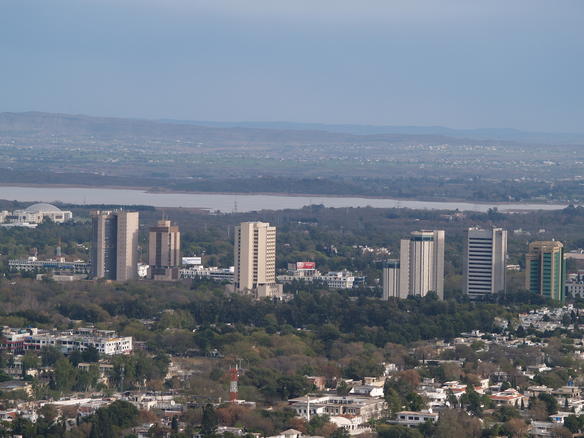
(42, 208)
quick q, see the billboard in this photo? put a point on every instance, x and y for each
(191, 260)
(305, 265)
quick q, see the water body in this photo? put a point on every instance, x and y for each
(227, 203)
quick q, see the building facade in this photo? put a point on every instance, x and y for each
(164, 251)
(37, 213)
(114, 248)
(32, 264)
(391, 280)
(255, 259)
(422, 264)
(545, 269)
(486, 255)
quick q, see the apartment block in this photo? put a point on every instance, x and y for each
(255, 260)
(422, 264)
(164, 251)
(486, 256)
(114, 248)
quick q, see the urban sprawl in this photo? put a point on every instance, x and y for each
(519, 376)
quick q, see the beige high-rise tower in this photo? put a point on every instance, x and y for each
(164, 251)
(255, 259)
(115, 245)
(422, 264)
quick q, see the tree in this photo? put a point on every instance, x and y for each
(50, 355)
(516, 428)
(90, 355)
(65, 375)
(340, 432)
(451, 398)
(209, 421)
(384, 431)
(30, 361)
(572, 423)
(457, 423)
(343, 388)
(472, 401)
(561, 432)
(550, 402)
(392, 399)
(415, 402)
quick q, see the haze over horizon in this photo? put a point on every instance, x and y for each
(456, 64)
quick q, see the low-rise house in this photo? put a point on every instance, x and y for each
(290, 433)
(509, 397)
(8, 415)
(67, 341)
(542, 429)
(349, 412)
(415, 418)
(436, 397)
(367, 390)
(560, 417)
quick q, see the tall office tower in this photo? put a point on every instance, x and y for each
(545, 269)
(255, 259)
(114, 251)
(391, 286)
(164, 251)
(486, 256)
(422, 263)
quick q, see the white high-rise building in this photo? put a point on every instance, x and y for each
(255, 259)
(486, 256)
(391, 280)
(422, 264)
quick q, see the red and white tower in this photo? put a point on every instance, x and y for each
(233, 384)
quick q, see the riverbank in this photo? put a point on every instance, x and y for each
(162, 190)
(231, 202)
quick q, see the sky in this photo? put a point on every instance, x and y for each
(456, 63)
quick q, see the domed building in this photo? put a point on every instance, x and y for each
(37, 213)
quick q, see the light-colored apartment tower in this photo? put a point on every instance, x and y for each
(255, 259)
(115, 245)
(545, 269)
(486, 257)
(422, 264)
(164, 251)
(391, 280)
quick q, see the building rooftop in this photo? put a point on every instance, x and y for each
(41, 207)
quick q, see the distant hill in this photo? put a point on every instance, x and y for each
(40, 124)
(507, 134)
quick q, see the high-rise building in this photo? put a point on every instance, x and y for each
(391, 280)
(255, 259)
(486, 256)
(164, 251)
(114, 251)
(545, 269)
(422, 264)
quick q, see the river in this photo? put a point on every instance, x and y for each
(234, 202)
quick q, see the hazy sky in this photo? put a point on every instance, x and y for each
(457, 63)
